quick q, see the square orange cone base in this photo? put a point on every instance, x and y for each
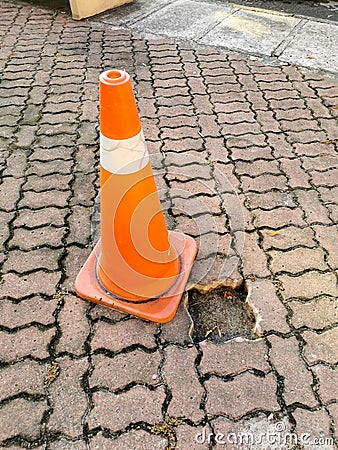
(160, 310)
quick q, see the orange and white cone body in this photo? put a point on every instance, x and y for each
(138, 266)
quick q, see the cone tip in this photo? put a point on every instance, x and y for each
(114, 77)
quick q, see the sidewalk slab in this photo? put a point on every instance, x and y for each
(255, 32)
(314, 46)
(184, 19)
(131, 12)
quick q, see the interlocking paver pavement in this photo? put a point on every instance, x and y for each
(248, 152)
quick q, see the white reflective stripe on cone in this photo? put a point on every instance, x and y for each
(124, 156)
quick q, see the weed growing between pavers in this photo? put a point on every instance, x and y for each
(53, 373)
(221, 314)
(167, 429)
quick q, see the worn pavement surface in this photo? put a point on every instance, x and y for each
(286, 36)
(74, 375)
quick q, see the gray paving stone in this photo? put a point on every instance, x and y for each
(185, 19)
(251, 31)
(315, 45)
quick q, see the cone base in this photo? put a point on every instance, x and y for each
(159, 310)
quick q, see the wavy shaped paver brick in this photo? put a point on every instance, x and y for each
(116, 412)
(244, 394)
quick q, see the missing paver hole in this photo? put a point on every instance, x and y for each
(221, 313)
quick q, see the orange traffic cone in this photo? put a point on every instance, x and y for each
(138, 266)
